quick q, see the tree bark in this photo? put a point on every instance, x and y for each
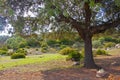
(88, 60)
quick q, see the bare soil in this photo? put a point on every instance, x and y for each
(111, 64)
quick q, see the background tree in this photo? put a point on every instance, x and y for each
(87, 17)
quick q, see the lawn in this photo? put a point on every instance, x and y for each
(114, 52)
(7, 62)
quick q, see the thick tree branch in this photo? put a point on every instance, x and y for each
(103, 27)
(75, 24)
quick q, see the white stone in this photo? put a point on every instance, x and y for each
(101, 73)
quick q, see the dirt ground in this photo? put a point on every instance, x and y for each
(111, 64)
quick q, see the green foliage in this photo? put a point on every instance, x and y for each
(97, 44)
(66, 51)
(66, 42)
(6, 62)
(3, 39)
(17, 56)
(22, 51)
(4, 47)
(117, 2)
(44, 49)
(3, 52)
(37, 49)
(44, 44)
(92, 3)
(18, 24)
(65, 13)
(102, 40)
(28, 47)
(77, 45)
(5, 10)
(52, 43)
(32, 42)
(110, 39)
(14, 42)
(22, 45)
(63, 46)
(109, 44)
(83, 52)
(74, 55)
(101, 52)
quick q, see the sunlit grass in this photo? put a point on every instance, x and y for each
(7, 62)
(114, 52)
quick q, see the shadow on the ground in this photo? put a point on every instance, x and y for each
(111, 65)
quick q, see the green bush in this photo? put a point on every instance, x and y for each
(102, 39)
(17, 56)
(44, 49)
(109, 44)
(44, 44)
(74, 56)
(101, 52)
(82, 52)
(63, 46)
(77, 45)
(14, 42)
(37, 49)
(4, 47)
(22, 45)
(96, 44)
(66, 42)
(28, 47)
(52, 43)
(3, 52)
(22, 51)
(66, 51)
(33, 42)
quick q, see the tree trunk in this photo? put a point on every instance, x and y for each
(89, 61)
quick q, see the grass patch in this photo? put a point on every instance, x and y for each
(7, 62)
(114, 52)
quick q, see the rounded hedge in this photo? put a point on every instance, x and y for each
(17, 56)
(74, 56)
(22, 51)
(101, 52)
(66, 51)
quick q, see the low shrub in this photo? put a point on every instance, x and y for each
(74, 56)
(37, 49)
(3, 52)
(77, 45)
(109, 44)
(63, 46)
(28, 47)
(22, 51)
(44, 49)
(4, 48)
(66, 51)
(97, 44)
(101, 52)
(17, 56)
(22, 45)
(44, 44)
(52, 43)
